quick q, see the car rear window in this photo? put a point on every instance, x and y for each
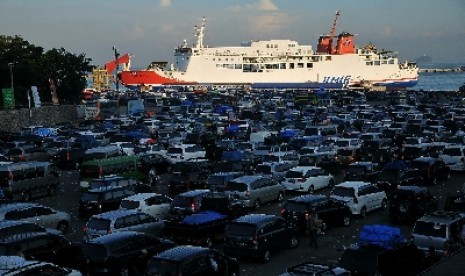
(182, 201)
(130, 204)
(430, 229)
(299, 207)
(93, 251)
(235, 186)
(343, 191)
(99, 223)
(90, 196)
(241, 229)
(215, 180)
(293, 174)
(162, 267)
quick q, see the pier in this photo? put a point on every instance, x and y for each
(441, 70)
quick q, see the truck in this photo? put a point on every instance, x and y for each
(207, 226)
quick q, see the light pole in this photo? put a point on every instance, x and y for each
(11, 65)
(116, 80)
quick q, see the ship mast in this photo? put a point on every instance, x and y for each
(199, 34)
(333, 32)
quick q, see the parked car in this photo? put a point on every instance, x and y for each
(431, 169)
(33, 212)
(307, 179)
(440, 230)
(17, 266)
(315, 269)
(361, 171)
(14, 227)
(154, 204)
(122, 220)
(217, 181)
(258, 236)
(254, 190)
(186, 204)
(192, 260)
(122, 253)
(361, 197)
(42, 246)
(332, 212)
(103, 199)
(408, 203)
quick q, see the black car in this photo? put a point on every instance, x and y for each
(122, 253)
(396, 173)
(331, 211)
(362, 171)
(431, 169)
(259, 235)
(68, 158)
(192, 260)
(188, 175)
(103, 199)
(407, 203)
(42, 246)
(186, 203)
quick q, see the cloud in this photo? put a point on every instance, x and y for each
(261, 5)
(165, 3)
(134, 33)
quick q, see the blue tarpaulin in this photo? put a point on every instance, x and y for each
(289, 133)
(380, 235)
(202, 217)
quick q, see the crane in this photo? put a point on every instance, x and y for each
(333, 32)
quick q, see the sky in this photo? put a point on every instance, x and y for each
(149, 30)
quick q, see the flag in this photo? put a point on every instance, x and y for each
(110, 66)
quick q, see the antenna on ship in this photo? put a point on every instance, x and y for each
(199, 34)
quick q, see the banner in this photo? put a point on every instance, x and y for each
(35, 96)
(8, 98)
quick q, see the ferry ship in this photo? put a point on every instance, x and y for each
(277, 64)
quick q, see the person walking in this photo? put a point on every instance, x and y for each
(312, 230)
(153, 176)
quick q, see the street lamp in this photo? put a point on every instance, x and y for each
(11, 65)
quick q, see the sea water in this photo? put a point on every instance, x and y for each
(440, 81)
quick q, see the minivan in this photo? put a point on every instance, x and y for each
(254, 190)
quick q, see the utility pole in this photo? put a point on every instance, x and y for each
(116, 80)
(11, 65)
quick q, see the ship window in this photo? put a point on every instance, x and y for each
(391, 61)
(309, 65)
(275, 66)
(376, 62)
(219, 59)
(282, 65)
(369, 63)
(219, 65)
(300, 65)
(267, 66)
(291, 65)
(327, 58)
(238, 66)
(213, 59)
(246, 68)
(267, 45)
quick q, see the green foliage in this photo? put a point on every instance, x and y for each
(34, 67)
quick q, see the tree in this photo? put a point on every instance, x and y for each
(33, 67)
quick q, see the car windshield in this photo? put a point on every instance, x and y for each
(174, 151)
(182, 201)
(130, 204)
(298, 207)
(235, 186)
(93, 251)
(98, 224)
(343, 191)
(293, 174)
(158, 267)
(431, 229)
(241, 229)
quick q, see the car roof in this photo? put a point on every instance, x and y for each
(353, 184)
(255, 218)
(416, 189)
(115, 214)
(181, 252)
(17, 206)
(442, 217)
(116, 237)
(107, 188)
(307, 198)
(142, 196)
(193, 193)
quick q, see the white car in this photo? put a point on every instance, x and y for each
(361, 197)
(154, 204)
(307, 179)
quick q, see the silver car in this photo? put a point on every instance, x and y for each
(122, 220)
(42, 215)
(254, 190)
